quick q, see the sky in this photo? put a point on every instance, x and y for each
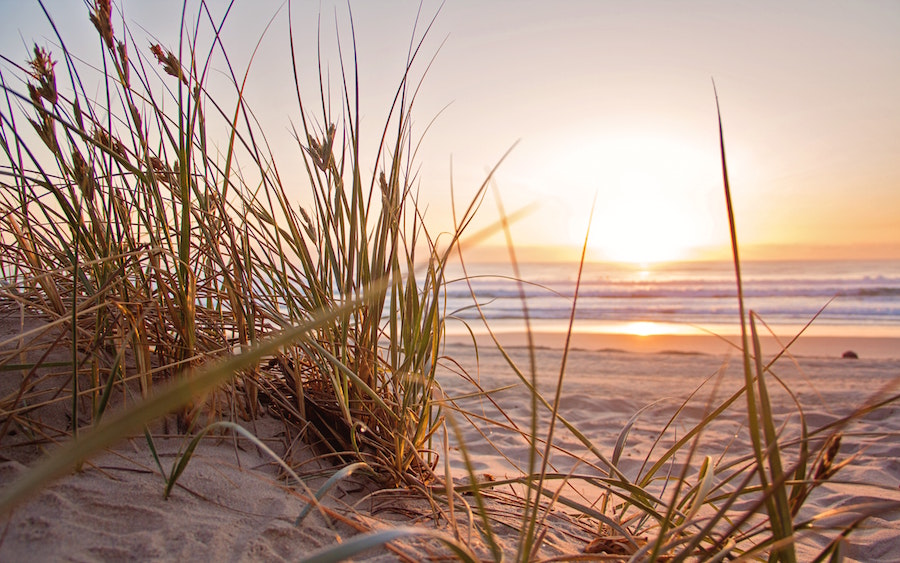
(604, 104)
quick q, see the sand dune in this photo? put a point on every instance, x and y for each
(232, 504)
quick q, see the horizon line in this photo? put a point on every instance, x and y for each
(749, 252)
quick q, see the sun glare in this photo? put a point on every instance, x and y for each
(642, 328)
(654, 196)
(645, 221)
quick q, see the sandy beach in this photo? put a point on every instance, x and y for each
(867, 347)
(234, 504)
(295, 281)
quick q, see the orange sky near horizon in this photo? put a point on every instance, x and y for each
(606, 100)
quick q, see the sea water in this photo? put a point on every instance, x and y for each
(860, 298)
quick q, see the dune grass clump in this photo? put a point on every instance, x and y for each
(120, 225)
(150, 248)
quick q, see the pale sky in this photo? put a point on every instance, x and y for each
(606, 98)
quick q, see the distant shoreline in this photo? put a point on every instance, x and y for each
(866, 347)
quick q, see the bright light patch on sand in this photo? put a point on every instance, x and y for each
(644, 328)
(638, 328)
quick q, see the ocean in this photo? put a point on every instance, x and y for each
(858, 298)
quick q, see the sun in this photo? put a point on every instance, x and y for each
(646, 220)
(654, 198)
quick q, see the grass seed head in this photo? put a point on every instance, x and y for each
(135, 118)
(43, 72)
(160, 170)
(826, 467)
(123, 62)
(169, 62)
(84, 175)
(109, 142)
(101, 17)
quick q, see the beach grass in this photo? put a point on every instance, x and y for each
(159, 256)
(185, 284)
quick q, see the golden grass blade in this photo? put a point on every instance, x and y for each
(706, 476)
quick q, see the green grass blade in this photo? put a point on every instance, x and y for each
(153, 453)
(343, 473)
(776, 498)
(487, 529)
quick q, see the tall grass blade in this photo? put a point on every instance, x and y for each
(342, 473)
(765, 445)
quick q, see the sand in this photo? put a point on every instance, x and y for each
(232, 503)
(604, 389)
